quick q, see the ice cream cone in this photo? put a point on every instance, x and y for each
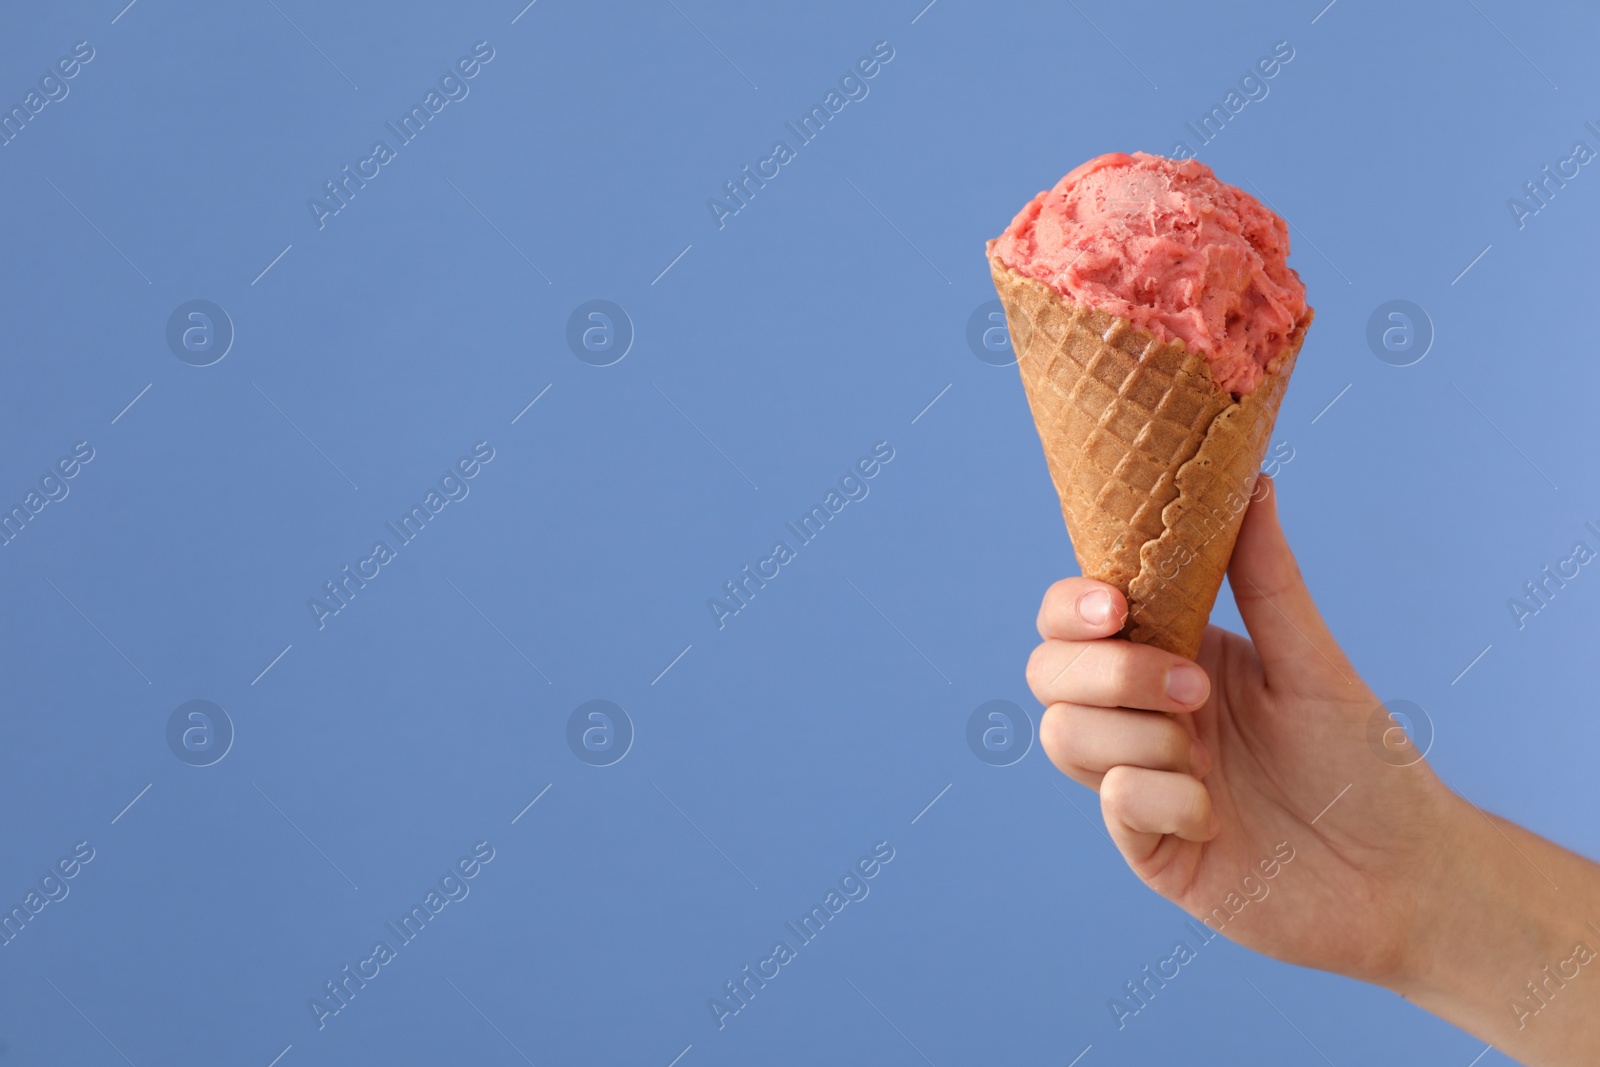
(1154, 462)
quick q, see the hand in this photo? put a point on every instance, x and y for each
(1262, 804)
(1264, 754)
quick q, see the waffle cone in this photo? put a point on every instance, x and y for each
(1154, 462)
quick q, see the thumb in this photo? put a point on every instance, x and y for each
(1283, 620)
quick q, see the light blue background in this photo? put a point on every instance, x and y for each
(824, 317)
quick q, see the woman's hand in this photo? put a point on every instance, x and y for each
(1264, 754)
(1277, 802)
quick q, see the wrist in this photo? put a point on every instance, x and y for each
(1453, 886)
(1504, 923)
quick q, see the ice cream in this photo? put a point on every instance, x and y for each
(1165, 245)
(1156, 323)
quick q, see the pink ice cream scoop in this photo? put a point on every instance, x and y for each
(1165, 245)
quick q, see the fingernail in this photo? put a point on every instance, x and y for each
(1095, 608)
(1187, 684)
(1199, 759)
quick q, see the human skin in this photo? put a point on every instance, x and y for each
(1401, 882)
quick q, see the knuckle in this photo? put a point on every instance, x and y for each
(1034, 672)
(1194, 809)
(1057, 600)
(1116, 791)
(1061, 732)
(1054, 733)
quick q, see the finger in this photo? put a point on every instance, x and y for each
(1080, 609)
(1086, 742)
(1277, 609)
(1141, 806)
(1111, 674)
